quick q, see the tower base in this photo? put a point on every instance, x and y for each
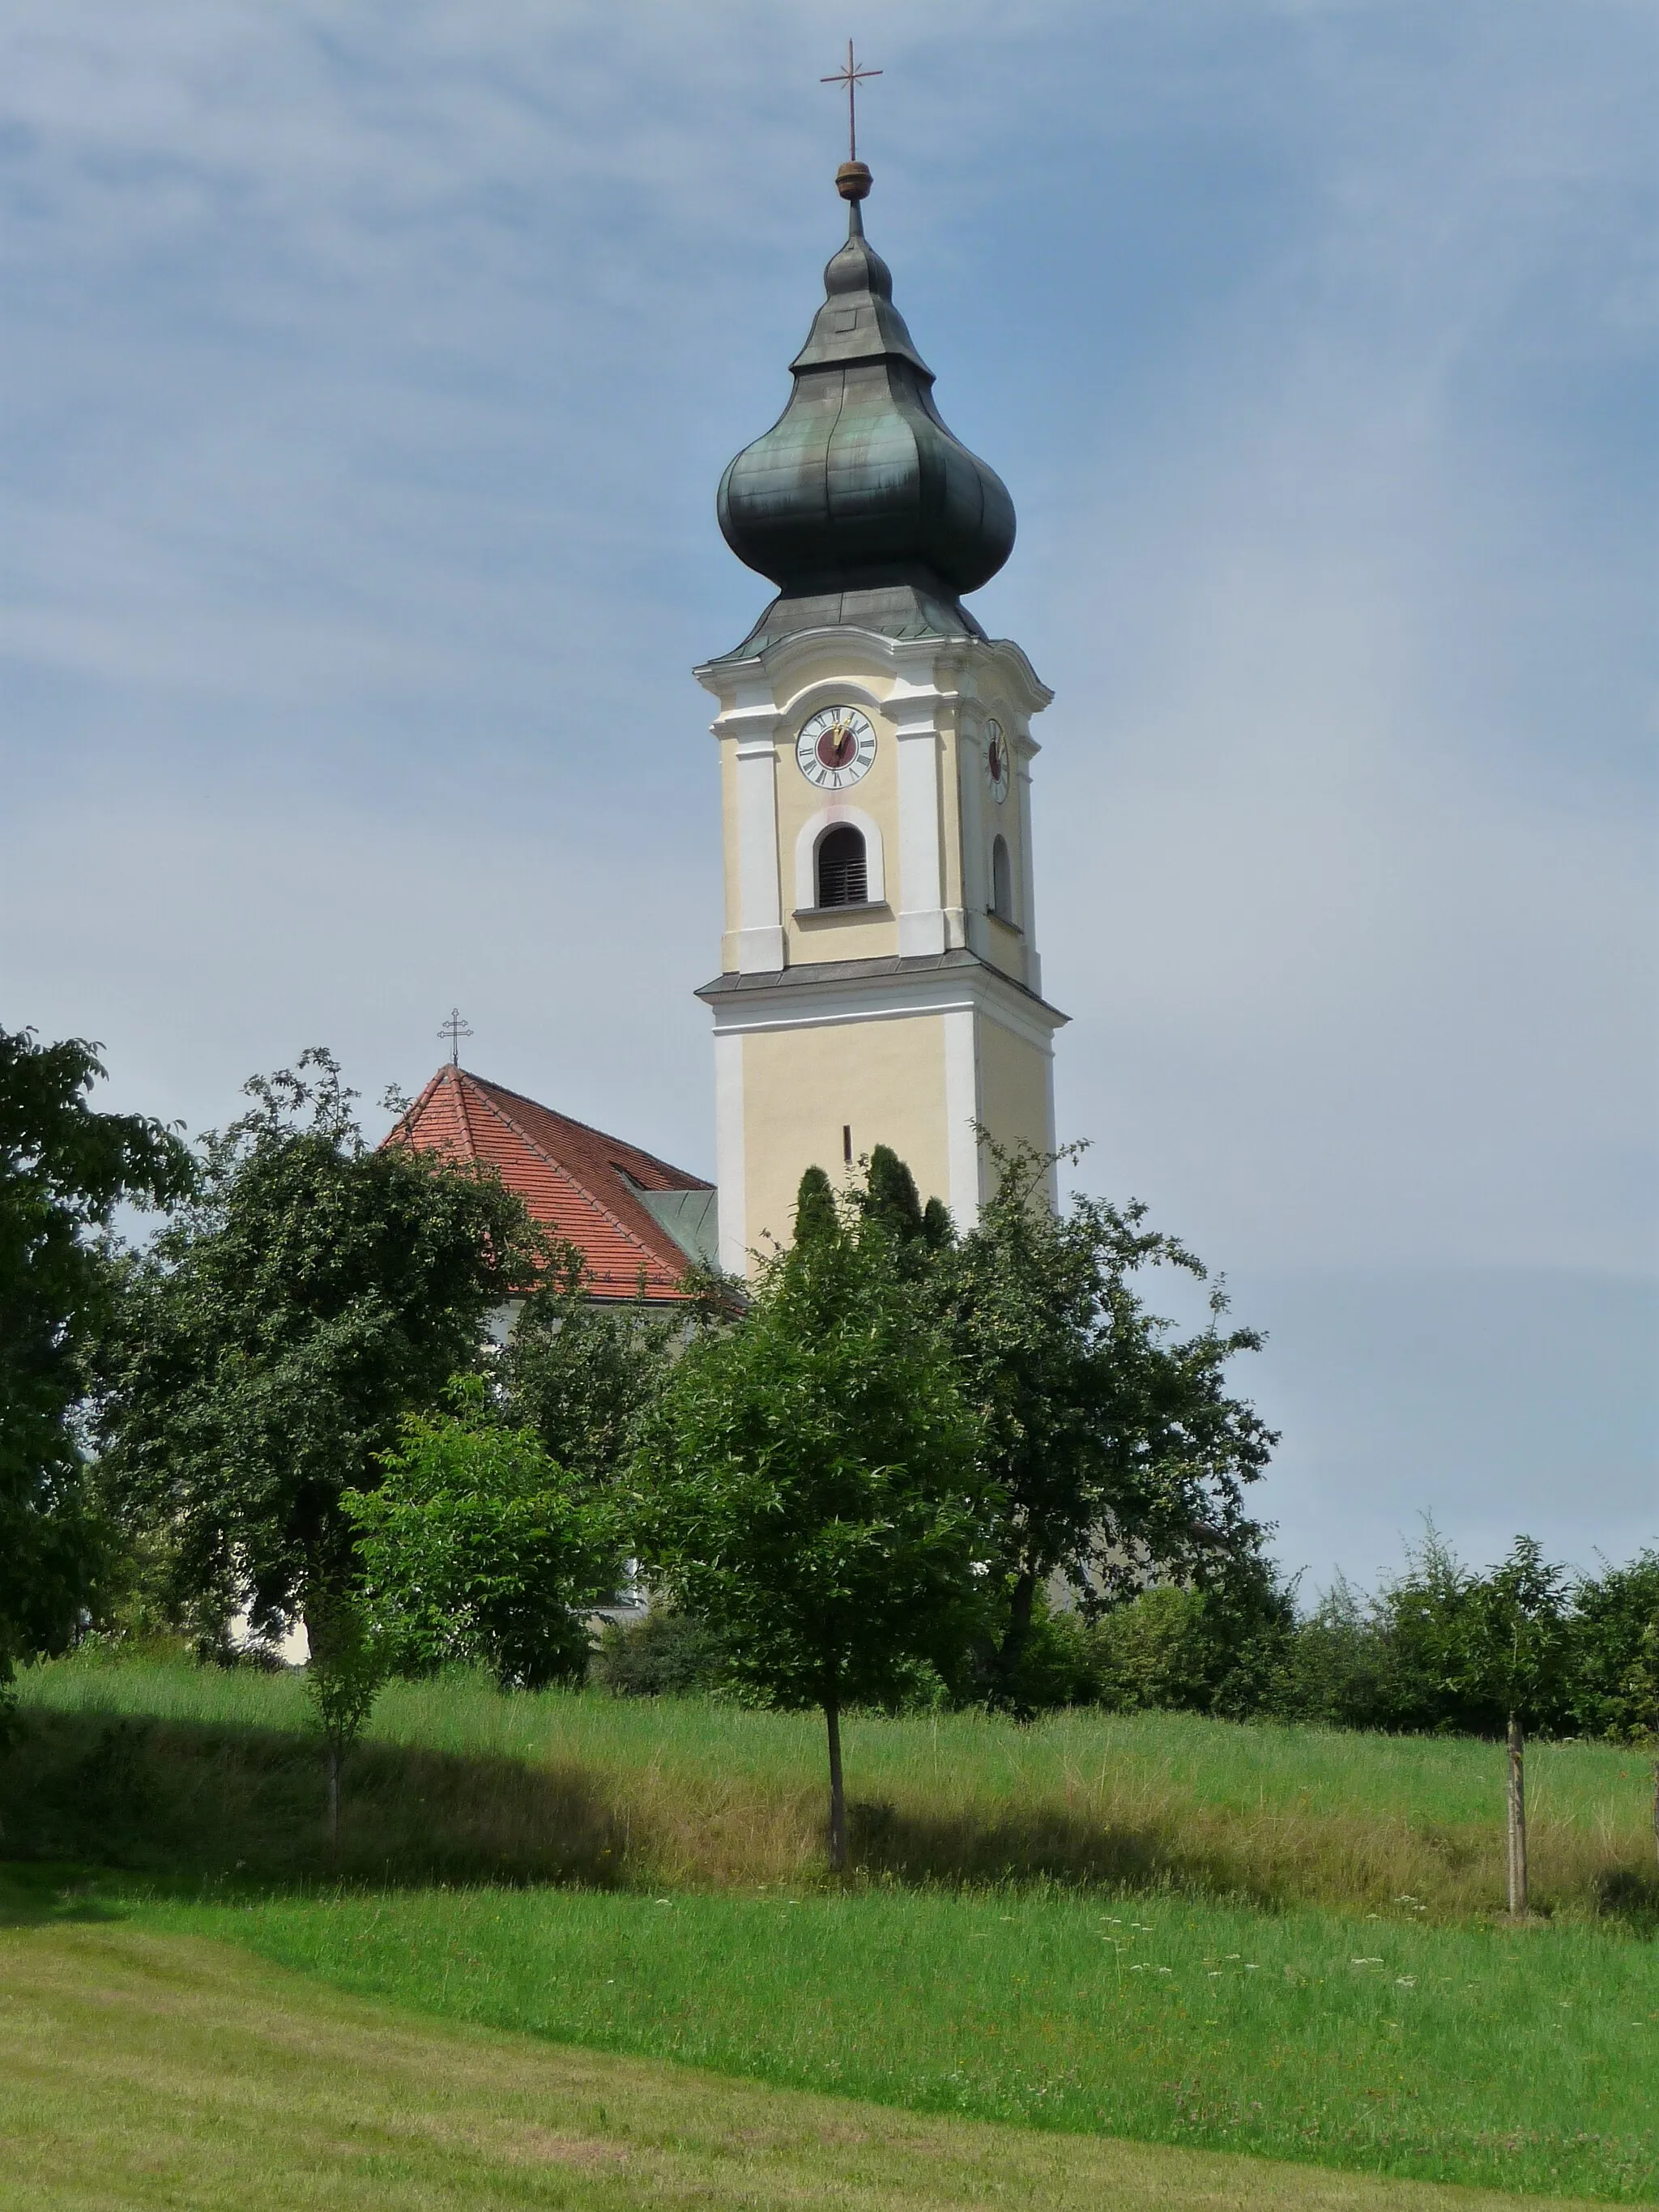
(816, 1064)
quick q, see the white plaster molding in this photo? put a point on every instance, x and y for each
(976, 843)
(951, 661)
(1025, 889)
(760, 917)
(962, 1112)
(729, 1150)
(837, 814)
(912, 709)
(829, 691)
(796, 1000)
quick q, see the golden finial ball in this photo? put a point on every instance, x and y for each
(853, 181)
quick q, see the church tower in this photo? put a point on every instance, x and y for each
(879, 979)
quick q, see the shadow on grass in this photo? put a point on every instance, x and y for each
(1041, 1844)
(186, 1807)
(181, 1802)
(47, 1896)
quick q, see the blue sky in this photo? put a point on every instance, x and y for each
(369, 373)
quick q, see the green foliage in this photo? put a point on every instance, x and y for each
(478, 1548)
(890, 1201)
(808, 1484)
(1514, 1648)
(581, 1372)
(1614, 1690)
(347, 1671)
(1114, 1445)
(63, 1169)
(1184, 1649)
(271, 1339)
(667, 1653)
(815, 1208)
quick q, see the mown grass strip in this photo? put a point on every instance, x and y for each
(1524, 2060)
(139, 2071)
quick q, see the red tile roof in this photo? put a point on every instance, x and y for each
(574, 1180)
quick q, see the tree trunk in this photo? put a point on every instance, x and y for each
(1022, 1604)
(1656, 1808)
(334, 1796)
(1517, 1820)
(837, 1795)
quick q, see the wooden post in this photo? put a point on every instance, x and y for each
(1517, 1820)
(837, 1799)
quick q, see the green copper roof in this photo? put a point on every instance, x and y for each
(859, 498)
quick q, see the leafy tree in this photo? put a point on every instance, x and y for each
(1184, 1649)
(476, 1547)
(274, 1335)
(1420, 1620)
(891, 1199)
(667, 1653)
(346, 1672)
(808, 1485)
(815, 1217)
(581, 1372)
(1513, 1649)
(1615, 1658)
(1615, 1673)
(1114, 1445)
(63, 1169)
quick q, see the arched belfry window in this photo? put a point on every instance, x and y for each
(1002, 881)
(843, 877)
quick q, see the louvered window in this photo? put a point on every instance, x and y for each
(843, 878)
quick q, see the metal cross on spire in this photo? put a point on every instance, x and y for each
(852, 76)
(454, 1029)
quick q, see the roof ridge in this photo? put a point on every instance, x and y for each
(560, 1169)
(524, 1098)
(467, 1137)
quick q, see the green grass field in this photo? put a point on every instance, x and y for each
(144, 2072)
(1525, 2060)
(1167, 1930)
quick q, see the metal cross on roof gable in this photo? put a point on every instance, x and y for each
(852, 76)
(454, 1029)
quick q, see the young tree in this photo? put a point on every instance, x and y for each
(1513, 1649)
(477, 1546)
(63, 1169)
(272, 1338)
(808, 1484)
(346, 1675)
(1117, 1451)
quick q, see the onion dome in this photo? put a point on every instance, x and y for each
(858, 502)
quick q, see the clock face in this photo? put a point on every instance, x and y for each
(835, 748)
(996, 760)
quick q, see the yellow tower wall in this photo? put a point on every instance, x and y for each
(884, 1079)
(1016, 1087)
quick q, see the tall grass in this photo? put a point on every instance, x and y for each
(198, 1769)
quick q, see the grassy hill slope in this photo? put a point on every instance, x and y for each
(179, 1770)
